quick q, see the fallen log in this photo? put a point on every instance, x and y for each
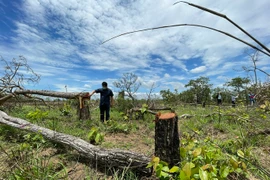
(83, 109)
(66, 95)
(99, 157)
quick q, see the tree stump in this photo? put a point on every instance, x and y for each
(83, 108)
(167, 138)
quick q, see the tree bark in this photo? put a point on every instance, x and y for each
(83, 112)
(66, 95)
(5, 98)
(100, 157)
(167, 138)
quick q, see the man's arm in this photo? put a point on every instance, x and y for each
(93, 92)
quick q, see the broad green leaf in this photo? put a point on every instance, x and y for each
(234, 163)
(174, 169)
(149, 165)
(164, 174)
(143, 110)
(98, 138)
(190, 146)
(240, 153)
(158, 169)
(91, 134)
(183, 176)
(166, 169)
(197, 152)
(183, 152)
(203, 174)
(225, 172)
(187, 169)
(244, 166)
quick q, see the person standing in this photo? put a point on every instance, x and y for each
(251, 98)
(233, 100)
(219, 99)
(106, 100)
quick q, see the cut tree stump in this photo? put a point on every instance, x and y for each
(84, 113)
(83, 108)
(167, 138)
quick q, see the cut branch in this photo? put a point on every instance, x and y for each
(228, 19)
(193, 25)
(101, 157)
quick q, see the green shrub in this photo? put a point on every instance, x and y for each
(95, 136)
(201, 160)
(37, 115)
(119, 127)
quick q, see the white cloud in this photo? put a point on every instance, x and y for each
(166, 75)
(62, 35)
(199, 69)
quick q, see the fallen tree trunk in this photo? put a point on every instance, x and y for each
(5, 98)
(98, 156)
(83, 110)
(67, 95)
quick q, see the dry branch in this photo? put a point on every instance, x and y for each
(186, 116)
(228, 19)
(261, 132)
(192, 25)
(101, 157)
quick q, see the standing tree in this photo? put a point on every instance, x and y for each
(188, 96)
(238, 83)
(240, 86)
(200, 88)
(128, 83)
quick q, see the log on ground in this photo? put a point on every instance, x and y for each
(67, 95)
(97, 156)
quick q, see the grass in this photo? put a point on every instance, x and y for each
(230, 132)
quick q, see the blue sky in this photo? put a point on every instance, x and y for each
(61, 41)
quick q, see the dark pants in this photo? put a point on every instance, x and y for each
(233, 104)
(219, 102)
(104, 108)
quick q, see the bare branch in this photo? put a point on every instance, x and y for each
(193, 25)
(228, 19)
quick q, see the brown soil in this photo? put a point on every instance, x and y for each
(131, 142)
(263, 155)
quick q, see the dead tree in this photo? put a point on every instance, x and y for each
(12, 78)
